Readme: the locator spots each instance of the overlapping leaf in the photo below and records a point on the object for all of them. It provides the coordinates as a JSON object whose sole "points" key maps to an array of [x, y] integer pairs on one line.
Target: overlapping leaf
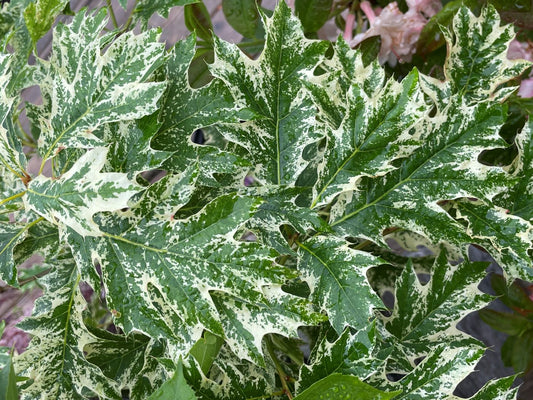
{"points": [[477, 63], [444, 167], [177, 257], [336, 275], [80, 193], [231, 378], [271, 88], [350, 354], [184, 110], [88, 89], [130, 361], [426, 315], [55, 360], [370, 122], [160, 273]]}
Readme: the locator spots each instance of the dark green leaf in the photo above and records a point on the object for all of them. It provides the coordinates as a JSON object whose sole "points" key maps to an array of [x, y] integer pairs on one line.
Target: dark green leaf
{"points": [[206, 349], [242, 15], [511, 324], [8, 379], [313, 13], [197, 19], [175, 388], [337, 387]]}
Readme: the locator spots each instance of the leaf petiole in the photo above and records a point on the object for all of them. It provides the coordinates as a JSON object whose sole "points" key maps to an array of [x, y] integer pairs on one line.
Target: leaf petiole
{"points": [[282, 375], [15, 196]]}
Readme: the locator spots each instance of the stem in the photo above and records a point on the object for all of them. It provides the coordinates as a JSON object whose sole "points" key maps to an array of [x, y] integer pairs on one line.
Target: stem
{"points": [[26, 134], [362, 245], [112, 13], [15, 196], [29, 144], [282, 375], [267, 396], [34, 277]]}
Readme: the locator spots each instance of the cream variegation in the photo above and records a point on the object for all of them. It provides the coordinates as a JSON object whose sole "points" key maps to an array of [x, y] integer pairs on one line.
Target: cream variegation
{"points": [[303, 193], [73, 199]]}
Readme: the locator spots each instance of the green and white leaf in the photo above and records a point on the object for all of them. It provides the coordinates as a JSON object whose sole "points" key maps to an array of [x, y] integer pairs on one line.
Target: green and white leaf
{"points": [[519, 200], [130, 361], [477, 63], [88, 89], [336, 275], [74, 198], [246, 324], [55, 361], [41, 238], [444, 167], [146, 8], [231, 377], [185, 110], [510, 236], [496, 389], [40, 15], [271, 88], [368, 124], [11, 155], [173, 268], [350, 354], [437, 376], [130, 151], [10, 236], [425, 316], [280, 208]]}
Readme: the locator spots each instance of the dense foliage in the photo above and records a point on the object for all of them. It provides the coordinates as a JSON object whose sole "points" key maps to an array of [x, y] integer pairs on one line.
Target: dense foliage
{"points": [[256, 266]]}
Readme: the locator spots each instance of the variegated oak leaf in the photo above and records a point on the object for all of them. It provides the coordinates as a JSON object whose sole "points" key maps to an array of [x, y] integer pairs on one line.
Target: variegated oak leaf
{"points": [[73, 199], [271, 87], [172, 278], [426, 315], [370, 121], [477, 64], [84, 89], [336, 275], [55, 361]]}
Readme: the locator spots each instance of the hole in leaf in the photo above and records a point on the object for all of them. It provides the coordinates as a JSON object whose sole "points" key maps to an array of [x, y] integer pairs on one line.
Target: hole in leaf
{"points": [[198, 137], [394, 377], [419, 360]]}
